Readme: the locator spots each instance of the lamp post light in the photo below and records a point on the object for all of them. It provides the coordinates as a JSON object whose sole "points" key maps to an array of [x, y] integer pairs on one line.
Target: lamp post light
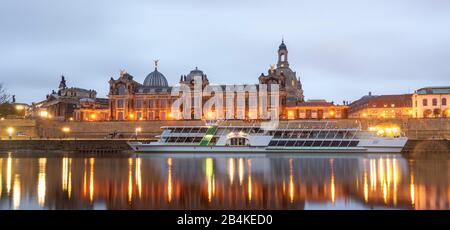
{"points": [[137, 130], [65, 130], [10, 131], [43, 114]]}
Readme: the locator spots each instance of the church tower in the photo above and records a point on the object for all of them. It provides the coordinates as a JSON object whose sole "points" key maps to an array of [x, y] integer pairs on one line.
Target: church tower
{"points": [[282, 55], [290, 86]]}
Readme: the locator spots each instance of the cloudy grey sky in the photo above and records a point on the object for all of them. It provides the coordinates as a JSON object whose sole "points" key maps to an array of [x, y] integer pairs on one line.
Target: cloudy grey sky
{"points": [[340, 49]]}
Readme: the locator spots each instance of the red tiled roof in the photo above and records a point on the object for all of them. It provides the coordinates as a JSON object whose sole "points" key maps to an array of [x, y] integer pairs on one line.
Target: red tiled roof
{"points": [[314, 103]]}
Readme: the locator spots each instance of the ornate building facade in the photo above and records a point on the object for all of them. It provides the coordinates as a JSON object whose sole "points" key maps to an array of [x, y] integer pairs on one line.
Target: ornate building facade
{"points": [[63, 103], [152, 100], [431, 102], [382, 106], [131, 100]]}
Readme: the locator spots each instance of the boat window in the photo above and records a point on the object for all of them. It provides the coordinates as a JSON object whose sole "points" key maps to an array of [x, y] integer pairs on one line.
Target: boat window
{"points": [[340, 135], [335, 143], [331, 135], [322, 134], [308, 143], [281, 143], [278, 134], [237, 141], [273, 143], [344, 143], [299, 143], [317, 143], [326, 143], [290, 143], [353, 143]]}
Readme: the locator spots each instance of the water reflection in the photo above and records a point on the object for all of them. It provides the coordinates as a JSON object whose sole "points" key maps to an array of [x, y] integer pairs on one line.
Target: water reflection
{"points": [[41, 181], [221, 182]]}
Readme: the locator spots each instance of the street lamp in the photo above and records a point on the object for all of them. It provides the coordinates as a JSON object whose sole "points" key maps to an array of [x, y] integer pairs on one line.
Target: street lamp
{"points": [[137, 130], [10, 131], [43, 114], [65, 130]]}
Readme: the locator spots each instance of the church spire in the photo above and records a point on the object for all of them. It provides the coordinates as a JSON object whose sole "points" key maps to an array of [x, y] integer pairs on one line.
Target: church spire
{"points": [[282, 55]]}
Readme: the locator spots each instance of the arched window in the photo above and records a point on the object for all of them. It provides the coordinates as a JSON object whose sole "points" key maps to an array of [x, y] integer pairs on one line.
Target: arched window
{"points": [[434, 102], [283, 57], [425, 102], [121, 90], [444, 101]]}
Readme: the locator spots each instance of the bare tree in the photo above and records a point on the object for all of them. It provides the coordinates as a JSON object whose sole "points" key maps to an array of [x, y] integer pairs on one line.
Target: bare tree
{"points": [[4, 96]]}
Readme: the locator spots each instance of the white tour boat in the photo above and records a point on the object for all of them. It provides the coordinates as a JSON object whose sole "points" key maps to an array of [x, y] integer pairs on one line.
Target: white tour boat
{"points": [[294, 137]]}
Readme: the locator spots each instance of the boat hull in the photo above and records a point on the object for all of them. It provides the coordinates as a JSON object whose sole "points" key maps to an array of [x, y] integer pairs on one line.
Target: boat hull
{"points": [[149, 148]]}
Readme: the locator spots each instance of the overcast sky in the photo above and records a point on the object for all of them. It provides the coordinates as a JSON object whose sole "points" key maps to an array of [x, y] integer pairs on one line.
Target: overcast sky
{"points": [[340, 49]]}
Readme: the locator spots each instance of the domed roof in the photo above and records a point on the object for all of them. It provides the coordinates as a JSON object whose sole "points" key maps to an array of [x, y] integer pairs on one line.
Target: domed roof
{"points": [[282, 45], [155, 79], [195, 72]]}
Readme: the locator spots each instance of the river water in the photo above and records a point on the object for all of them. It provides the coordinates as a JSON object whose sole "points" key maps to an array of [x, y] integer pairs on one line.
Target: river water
{"points": [[315, 181]]}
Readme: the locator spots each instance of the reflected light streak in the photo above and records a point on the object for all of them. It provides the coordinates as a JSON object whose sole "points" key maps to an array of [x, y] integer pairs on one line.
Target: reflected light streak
{"points": [[91, 179], [333, 188], [1, 177], [291, 181], [365, 184], [395, 175], [8, 174], [69, 183], [16, 192], [169, 179], [388, 172], [84, 178], [231, 169], [366, 188], [241, 170], [412, 189], [138, 176], [65, 173], [41, 181], [381, 171], [373, 175], [209, 177], [249, 163], [130, 180]]}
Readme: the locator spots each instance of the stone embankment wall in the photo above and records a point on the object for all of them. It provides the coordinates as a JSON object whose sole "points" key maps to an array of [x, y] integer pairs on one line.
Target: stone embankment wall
{"points": [[89, 146], [421, 129]]}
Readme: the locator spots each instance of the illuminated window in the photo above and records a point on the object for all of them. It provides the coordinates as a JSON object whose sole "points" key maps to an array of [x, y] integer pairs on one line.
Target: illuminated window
{"points": [[163, 116], [121, 90], [120, 104], [151, 103], [151, 115], [163, 103], [120, 116], [139, 103]]}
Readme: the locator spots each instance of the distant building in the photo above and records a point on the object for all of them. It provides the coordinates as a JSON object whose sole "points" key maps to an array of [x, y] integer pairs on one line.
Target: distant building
{"points": [[431, 102], [131, 100], [382, 106], [317, 109], [92, 109], [62, 104], [152, 100]]}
